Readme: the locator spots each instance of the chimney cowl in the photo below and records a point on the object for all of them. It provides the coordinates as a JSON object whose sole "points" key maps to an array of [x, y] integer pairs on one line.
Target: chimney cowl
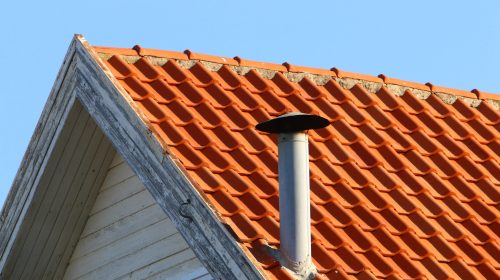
{"points": [[292, 122]]}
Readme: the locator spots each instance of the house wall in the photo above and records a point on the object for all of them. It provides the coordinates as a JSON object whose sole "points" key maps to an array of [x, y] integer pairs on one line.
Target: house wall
{"points": [[128, 236]]}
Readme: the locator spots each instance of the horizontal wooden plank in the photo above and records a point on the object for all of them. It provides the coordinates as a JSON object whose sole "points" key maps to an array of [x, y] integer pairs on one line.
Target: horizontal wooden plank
{"points": [[186, 270], [206, 276], [118, 159], [124, 227], [118, 211], [144, 256], [117, 193], [121, 248], [116, 175], [157, 267]]}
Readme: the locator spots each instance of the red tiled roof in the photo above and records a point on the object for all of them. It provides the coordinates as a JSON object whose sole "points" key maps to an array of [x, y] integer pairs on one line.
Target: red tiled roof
{"points": [[404, 182]]}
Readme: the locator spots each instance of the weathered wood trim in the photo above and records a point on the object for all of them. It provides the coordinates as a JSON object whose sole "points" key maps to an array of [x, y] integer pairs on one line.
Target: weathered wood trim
{"points": [[114, 113], [36, 157], [49, 195]]}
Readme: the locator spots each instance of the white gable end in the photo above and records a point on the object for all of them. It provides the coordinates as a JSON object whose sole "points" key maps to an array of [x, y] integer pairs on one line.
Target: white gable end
{"points": [[128, 236]]}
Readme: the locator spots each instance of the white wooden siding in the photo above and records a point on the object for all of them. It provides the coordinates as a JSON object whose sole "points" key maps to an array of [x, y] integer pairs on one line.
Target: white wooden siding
{"points": [[128, 236]]}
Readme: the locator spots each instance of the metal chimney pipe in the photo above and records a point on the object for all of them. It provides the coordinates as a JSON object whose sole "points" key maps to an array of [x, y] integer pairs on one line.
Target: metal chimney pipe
{"points": [[295, 217], [294, 190]]}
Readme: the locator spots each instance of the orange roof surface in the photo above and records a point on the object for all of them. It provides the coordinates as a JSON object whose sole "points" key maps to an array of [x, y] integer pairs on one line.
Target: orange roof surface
{"points": [[404, 182]]}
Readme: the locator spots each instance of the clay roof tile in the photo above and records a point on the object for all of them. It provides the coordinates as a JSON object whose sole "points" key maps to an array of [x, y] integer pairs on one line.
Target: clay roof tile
{"points": [[402, 186]]}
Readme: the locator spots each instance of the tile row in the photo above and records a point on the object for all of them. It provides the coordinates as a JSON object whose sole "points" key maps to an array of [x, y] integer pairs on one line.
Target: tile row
{"points": [[226, 79], [423, 215], [397, 266], [331, 170], [233, 102], [384, 183], [337, 149], [187, 95], [354, 249], [239, 198], [182, 128]]}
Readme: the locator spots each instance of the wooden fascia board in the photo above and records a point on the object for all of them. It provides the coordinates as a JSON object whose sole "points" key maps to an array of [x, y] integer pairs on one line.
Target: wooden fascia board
{"points": [[113, 110], [37, 155]]}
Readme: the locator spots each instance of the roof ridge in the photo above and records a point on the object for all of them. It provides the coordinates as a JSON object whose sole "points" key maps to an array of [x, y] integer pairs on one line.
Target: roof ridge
{"points": [[285, 67]]}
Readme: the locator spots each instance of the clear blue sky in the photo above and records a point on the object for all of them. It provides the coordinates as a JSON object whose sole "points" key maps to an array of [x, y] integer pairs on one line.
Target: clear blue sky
{"points": [[448, 43]]}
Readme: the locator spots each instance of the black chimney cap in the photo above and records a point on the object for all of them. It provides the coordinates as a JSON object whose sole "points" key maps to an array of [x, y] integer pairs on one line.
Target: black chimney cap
{"points": [[292, 122]]}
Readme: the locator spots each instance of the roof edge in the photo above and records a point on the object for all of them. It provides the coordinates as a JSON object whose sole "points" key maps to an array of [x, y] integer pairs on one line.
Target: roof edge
{"points": [[117, 115]]}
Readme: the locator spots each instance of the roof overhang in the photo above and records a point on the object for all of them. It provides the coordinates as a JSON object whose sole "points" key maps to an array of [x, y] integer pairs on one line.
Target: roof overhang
{"points": [[84, 79]]}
